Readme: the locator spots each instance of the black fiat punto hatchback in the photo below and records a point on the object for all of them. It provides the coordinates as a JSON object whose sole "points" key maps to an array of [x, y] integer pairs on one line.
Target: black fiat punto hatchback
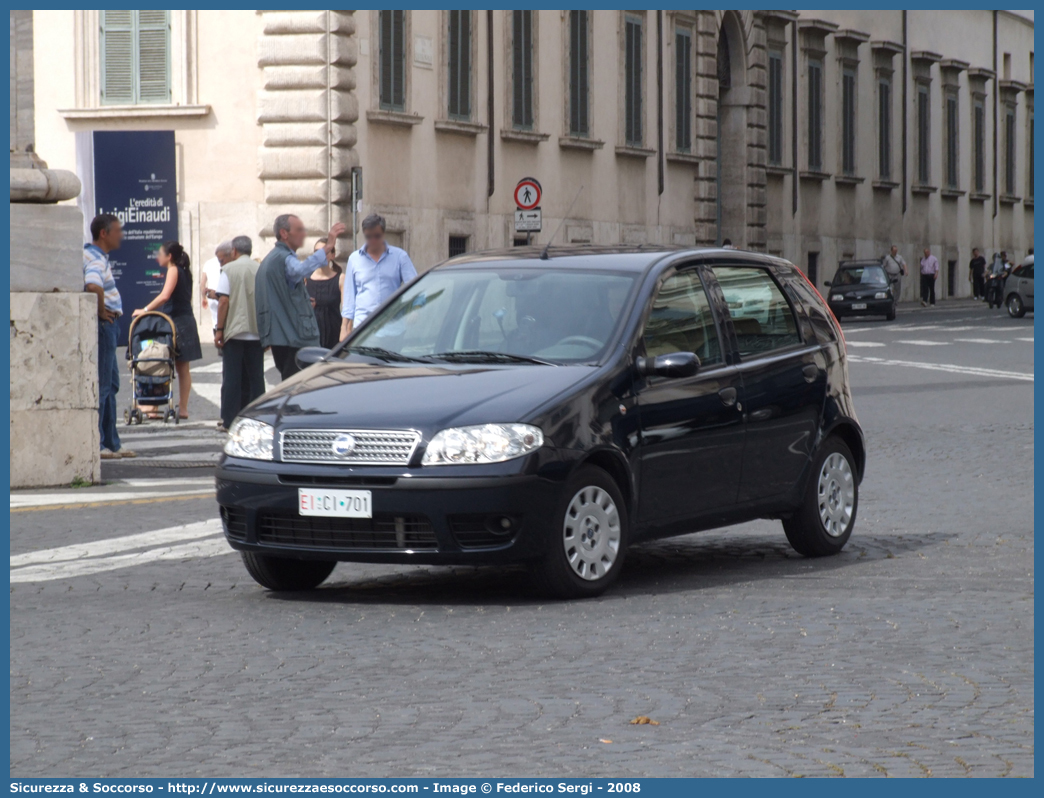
{"points": [[506, 407]]}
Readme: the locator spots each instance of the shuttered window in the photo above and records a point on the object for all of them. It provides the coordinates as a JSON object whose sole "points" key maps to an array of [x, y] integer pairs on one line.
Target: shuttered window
{"points": [[980, 147], [683, 89], [633, 81], [884, 128], [924, 136], [578, 78], [848, 122], [459, 52], [815, 115], [522, 69], [135, 57], [952, 140], [1009, 152], [392, 58], [775, 108]]}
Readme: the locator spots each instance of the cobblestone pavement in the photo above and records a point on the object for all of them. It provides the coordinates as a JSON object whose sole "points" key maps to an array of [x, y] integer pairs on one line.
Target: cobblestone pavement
{"points": [[910, 654]]}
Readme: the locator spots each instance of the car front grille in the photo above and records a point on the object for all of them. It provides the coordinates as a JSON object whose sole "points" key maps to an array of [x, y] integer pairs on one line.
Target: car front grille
{"points": [[380, 533], [235, 523], [372, 447]]}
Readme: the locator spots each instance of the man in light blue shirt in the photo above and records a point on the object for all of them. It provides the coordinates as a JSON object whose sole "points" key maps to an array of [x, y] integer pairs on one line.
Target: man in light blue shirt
{"points": [[374, 273]]}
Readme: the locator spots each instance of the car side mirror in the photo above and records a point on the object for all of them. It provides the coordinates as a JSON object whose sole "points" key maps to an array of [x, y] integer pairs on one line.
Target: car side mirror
{"points": [[826, 283], [675, 365], [308, 355]]}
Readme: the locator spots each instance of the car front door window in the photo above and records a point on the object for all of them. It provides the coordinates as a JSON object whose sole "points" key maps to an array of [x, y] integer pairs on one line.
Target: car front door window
{"points": [[681, 320]]}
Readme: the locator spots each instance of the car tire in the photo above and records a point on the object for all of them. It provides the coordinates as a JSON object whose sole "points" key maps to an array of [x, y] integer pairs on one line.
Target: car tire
{"points": [[285, 573], [891, 314], [588, 538], [1015, 307], [824, 522]]}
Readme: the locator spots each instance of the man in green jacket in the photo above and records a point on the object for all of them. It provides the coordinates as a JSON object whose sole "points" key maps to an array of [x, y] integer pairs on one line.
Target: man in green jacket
{"points": [[285, 319]]}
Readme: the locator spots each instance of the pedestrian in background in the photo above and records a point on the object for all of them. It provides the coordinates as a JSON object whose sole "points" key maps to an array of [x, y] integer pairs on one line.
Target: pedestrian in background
{"points": [[325, 287], [929, 274], [243, 364], [175, 299], [285, 319], [374, 273], [895, 268], [208, 279], [977, 274], [106, 235]]}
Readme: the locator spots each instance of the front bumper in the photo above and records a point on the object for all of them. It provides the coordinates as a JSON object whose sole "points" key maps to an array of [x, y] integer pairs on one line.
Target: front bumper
{"points": [[436, 516], [874, 307]]}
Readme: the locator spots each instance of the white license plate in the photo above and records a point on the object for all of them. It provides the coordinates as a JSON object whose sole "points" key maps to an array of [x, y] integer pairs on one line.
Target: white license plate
{"points": [[858, 306], [335, 503]]}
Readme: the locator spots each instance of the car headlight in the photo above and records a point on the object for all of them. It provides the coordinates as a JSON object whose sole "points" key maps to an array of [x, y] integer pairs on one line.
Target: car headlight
{"points": [[837, 298], [482, 443], [251, 439], [881, 295]]}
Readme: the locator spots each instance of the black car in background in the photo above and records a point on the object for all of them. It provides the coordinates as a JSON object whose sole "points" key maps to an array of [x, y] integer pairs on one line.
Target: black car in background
{"points": [[506, 408], [862, 288]]}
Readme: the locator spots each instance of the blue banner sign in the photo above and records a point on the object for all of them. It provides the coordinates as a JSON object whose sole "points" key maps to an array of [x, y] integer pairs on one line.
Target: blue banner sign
{"points": [[135, 179]]}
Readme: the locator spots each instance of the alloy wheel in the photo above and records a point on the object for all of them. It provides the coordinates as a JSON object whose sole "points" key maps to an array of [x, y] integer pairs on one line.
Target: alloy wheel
{"points": [[836, 491], [591, 533]]}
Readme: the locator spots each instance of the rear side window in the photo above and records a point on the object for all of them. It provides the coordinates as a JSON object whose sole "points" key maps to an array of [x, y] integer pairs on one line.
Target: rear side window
{"points": [[681, 320], [761, 316]]}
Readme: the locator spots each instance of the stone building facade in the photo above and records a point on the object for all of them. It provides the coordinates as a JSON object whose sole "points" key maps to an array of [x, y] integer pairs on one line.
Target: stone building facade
{"points": [[661, 127]]}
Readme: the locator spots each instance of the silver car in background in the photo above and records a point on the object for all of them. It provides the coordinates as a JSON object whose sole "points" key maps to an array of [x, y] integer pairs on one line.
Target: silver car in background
{"points": [[1018, 289]]}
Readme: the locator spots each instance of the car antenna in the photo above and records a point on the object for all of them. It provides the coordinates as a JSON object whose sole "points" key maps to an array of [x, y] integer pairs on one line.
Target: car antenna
{"points": [[543, 255]]}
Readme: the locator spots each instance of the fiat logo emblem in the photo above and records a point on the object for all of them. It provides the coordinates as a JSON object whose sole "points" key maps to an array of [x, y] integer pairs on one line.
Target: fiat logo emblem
{"points": [[343, 445]]}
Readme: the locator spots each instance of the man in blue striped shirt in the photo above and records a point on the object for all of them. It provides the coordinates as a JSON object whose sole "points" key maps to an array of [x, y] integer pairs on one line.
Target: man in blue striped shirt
{"points": [[107, 233], [374, 273]]}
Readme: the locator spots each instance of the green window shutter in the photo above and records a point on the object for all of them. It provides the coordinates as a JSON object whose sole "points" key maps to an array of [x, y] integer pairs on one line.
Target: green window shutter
{"points": [[153, 56], [117, 57], [135, 57]]}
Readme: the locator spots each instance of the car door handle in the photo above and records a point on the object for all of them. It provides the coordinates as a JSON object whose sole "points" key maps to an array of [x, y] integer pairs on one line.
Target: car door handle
{"points": [[728, 396], [811, 372]]}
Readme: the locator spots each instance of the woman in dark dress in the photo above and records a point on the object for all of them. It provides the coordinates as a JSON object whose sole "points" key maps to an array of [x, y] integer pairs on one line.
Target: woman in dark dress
{"points": [[325, 285], [176, 301]]}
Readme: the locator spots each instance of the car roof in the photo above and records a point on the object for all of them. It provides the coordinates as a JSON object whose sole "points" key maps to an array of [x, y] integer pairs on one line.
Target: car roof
{"points": [[624, 258], [858, 264]]}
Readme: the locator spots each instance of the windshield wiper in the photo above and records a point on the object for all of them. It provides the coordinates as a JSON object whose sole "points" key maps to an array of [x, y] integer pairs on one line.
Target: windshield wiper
{"points": [[383, 354], [483, 356]]}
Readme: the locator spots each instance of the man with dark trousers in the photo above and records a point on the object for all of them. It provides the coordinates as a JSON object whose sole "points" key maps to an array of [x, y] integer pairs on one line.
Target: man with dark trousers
{"points": [[285, 318], [243, 362], [977, 274], [929, 274]]}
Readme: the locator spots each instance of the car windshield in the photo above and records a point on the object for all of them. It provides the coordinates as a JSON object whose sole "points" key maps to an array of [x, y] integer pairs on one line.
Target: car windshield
{"points": [[500, 315], [860, 275]]}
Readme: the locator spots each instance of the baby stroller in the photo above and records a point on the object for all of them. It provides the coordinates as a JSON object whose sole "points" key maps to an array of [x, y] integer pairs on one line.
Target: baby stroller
{"points": [[151, 345]]}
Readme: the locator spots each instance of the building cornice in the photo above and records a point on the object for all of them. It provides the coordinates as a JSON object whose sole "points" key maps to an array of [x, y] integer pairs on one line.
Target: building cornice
{"points": [[886, 47], [925, 57], [104, 112], [817, 26], [853, 37], [953, 64]]}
